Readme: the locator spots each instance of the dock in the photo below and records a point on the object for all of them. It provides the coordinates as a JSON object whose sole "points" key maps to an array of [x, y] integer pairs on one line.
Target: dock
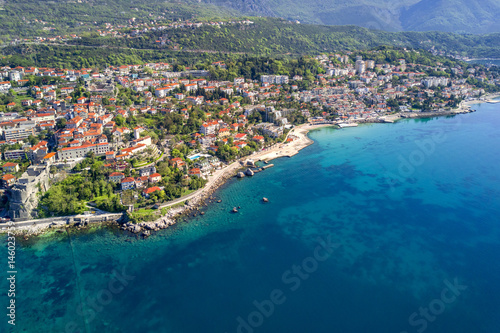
{"points": [[342, 125]]}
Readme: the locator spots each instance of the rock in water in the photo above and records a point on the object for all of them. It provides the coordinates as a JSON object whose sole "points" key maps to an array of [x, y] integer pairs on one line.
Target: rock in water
{"points": [[249, 172], [240, 175]]}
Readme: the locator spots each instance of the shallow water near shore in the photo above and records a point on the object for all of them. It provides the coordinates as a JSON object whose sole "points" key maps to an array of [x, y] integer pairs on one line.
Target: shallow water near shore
{"points": [[410, 210]]}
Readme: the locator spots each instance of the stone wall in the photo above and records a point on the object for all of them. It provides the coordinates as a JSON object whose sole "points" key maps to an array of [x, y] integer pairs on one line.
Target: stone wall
{"points": [[24, 198]]}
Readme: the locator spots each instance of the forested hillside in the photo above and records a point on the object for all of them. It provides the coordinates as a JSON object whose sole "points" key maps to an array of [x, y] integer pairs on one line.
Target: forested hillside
{"points": [[28, 18], [275, 36]]}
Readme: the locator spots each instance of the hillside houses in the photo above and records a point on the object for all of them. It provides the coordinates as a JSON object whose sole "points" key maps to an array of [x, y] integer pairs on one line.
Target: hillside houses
{"points": [[151, 127]]}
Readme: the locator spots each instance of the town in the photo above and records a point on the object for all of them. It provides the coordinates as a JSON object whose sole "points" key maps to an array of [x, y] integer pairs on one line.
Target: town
{"points": [[134, 137]]}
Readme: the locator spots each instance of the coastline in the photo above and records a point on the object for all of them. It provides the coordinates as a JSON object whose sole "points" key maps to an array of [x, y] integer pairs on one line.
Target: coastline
{"points": [[194, 200], [301, 141], [201, 197], [463, 107]]}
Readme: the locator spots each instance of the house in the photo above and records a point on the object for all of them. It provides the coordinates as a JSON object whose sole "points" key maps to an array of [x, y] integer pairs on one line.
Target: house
{"points": [[154, 178], [74, 122], [141, 181], [81, 100], [209, 127], [18, 154], [48, 159], [240, 136], [223, 132], [8, 180], [177, 162], [147, 192], [10, 167], [208, 140], [258, 139], [4, 86], [147, 171], [127, 183], [240, 144], [38, 151], [78, 152], [116, 177], [195, 172], [110, 156]]}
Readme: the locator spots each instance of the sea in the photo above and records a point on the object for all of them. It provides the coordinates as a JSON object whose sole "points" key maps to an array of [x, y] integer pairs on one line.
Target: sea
{"points": [[382, 228]]}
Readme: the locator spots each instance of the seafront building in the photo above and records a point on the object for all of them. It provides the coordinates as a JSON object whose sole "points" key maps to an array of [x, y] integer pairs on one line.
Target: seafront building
{"points": [[52, 127]]}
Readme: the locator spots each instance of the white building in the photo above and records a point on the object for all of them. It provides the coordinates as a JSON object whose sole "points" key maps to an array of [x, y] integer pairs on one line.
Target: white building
{"points": [[435, 81], [360, 66], [274, 79], [4, 86], [71, 153]]}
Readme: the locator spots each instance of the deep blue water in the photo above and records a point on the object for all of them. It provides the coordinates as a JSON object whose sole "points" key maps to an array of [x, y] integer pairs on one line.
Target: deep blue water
{"points": [[408, 209]]}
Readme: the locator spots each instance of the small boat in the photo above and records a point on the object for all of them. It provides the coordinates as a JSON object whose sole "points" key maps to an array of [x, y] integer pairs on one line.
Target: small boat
{"points": [[234, 210], [265, 199]]}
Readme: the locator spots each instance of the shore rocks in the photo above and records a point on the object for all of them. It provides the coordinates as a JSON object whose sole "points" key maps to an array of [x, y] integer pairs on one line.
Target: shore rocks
{"points": [[240, 175], [163, 223], [249, 172]]}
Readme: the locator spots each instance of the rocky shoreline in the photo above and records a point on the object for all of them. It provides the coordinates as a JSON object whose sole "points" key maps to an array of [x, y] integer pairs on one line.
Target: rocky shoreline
{"points": [[192, 207], [174, 215]]}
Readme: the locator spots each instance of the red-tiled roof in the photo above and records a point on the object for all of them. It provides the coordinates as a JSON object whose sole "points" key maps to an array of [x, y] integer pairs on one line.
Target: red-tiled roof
{"points": [[115, 174], [8, 177], [151, 190]]}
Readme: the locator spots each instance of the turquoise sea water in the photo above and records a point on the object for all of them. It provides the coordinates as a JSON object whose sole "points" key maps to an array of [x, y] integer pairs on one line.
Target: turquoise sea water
{"points": [[410, 212]]}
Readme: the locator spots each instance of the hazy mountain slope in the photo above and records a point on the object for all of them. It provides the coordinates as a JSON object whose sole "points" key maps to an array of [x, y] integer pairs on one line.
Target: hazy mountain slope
{"points": [[453, 15], [472, 16]]}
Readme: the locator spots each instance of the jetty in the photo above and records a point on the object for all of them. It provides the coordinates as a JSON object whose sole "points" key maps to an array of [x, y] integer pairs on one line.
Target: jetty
{"points": [[343, 125]]}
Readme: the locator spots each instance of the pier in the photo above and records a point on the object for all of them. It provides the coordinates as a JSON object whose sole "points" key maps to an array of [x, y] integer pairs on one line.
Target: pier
{"points": [[267, 166]]}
